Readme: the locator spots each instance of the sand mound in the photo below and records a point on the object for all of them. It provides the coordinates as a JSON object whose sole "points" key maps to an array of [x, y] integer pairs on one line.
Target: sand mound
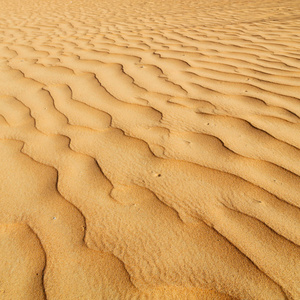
{"points": [[149, 149]]}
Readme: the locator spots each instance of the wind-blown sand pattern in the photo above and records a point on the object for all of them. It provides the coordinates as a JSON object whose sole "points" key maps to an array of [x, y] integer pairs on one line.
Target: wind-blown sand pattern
{"points": [[149, 149]]}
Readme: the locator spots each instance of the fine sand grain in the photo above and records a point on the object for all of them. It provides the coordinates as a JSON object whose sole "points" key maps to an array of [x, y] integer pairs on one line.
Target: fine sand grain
{"points": [[149, 149]]}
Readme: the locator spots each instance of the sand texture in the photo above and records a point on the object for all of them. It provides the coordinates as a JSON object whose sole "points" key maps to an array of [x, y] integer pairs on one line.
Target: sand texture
{"points": [[149, 149]]}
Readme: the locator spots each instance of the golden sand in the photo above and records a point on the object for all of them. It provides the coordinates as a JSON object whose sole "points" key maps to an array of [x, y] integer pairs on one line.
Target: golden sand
{"points": [[149, 149]]}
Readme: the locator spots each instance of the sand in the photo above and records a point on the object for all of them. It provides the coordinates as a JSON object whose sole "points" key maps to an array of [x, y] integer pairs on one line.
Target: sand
{"points": [[149, 149]]}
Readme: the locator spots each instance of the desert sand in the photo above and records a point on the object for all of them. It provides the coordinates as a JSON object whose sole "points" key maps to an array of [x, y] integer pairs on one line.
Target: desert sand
{"points": [[149, 149]]}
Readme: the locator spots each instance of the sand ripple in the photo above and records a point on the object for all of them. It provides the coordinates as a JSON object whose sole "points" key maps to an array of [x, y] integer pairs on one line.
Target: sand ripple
{"points": [[149, 150]]}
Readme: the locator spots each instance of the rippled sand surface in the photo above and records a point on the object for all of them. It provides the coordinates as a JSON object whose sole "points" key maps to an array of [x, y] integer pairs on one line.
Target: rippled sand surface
{"points": [[149, 149]]}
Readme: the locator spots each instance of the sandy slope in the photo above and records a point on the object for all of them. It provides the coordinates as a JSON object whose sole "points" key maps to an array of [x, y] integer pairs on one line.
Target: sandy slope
{"points": [[149, 149]]}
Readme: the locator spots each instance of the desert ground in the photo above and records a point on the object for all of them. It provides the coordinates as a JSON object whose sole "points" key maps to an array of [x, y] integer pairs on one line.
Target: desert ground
{"points": [[149, 149]]}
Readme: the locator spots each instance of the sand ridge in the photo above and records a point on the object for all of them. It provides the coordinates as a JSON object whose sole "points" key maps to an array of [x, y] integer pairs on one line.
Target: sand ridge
{"points": [[149, 150]]}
